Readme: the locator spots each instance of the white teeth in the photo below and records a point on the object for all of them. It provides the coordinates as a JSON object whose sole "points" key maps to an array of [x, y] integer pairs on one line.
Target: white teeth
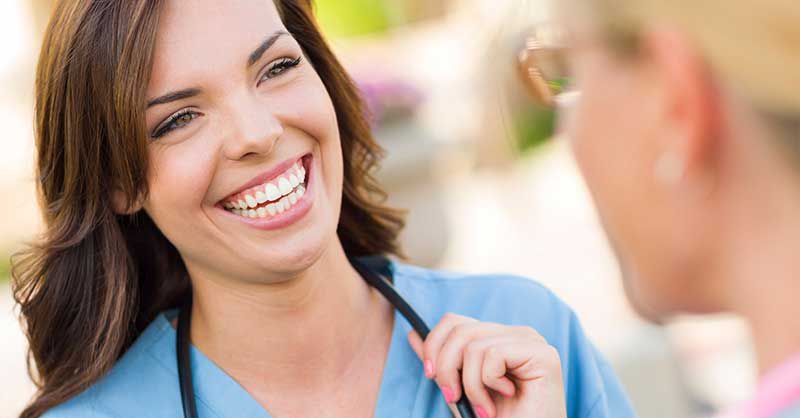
{"points": [[273, 193], [289, 190], [284, 186]]}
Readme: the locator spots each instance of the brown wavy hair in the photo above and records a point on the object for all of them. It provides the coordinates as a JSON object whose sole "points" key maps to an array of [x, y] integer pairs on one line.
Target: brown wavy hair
{"points": [[94, 280]]}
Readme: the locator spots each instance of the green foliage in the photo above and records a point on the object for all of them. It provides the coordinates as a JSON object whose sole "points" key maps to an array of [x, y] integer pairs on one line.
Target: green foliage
{"points": [[343, 18], [5, 267], [533, 127]]}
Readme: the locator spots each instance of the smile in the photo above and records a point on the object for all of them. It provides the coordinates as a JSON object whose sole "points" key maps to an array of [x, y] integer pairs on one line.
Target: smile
{"points": [[271, 198]]}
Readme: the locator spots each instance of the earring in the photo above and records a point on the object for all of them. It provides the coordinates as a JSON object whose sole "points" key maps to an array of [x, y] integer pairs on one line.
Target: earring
{"points": [[669, 168]]}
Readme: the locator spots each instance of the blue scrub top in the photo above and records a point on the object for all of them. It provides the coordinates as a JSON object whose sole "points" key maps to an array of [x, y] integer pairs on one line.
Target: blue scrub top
{"points": [[144, 382]]}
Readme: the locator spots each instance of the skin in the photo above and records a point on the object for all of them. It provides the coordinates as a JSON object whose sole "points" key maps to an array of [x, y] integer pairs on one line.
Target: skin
{"points": [[720, 231], [253, 287], [507, 372]]}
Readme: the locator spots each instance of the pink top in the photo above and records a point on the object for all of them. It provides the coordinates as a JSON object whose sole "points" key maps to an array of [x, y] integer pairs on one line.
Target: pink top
{"points": [[778, 390]]}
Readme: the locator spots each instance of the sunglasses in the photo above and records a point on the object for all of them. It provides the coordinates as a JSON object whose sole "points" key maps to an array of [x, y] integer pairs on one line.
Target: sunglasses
{"points": [[543, 69]]}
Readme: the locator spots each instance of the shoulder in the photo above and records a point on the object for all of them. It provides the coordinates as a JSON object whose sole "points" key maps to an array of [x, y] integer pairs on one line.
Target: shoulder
{"points": [[490, 297], [140, 383], [499, 298], [592, 389]]}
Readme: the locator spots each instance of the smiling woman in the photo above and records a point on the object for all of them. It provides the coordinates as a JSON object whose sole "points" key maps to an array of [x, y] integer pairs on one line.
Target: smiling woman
{"points": [[214, 157], [115, 255]]}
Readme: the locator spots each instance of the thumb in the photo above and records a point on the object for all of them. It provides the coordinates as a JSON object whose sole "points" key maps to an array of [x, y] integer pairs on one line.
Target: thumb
{"points": [[416, 344]]}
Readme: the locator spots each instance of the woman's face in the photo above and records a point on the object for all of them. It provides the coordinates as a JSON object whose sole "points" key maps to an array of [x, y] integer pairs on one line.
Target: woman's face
{"points": [[245, 170], [619, 130]]}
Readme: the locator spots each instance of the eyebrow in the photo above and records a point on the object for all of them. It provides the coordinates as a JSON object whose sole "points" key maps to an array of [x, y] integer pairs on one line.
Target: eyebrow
{"points": [[258, 52], [173, 96], [191, 92]]}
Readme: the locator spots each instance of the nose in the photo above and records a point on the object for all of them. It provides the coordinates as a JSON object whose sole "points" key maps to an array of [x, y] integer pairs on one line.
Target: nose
{"points": [[252, 130]]}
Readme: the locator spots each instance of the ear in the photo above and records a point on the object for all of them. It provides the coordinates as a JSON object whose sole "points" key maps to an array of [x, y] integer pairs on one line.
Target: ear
{"points": [[122, 206], [692, 103]]}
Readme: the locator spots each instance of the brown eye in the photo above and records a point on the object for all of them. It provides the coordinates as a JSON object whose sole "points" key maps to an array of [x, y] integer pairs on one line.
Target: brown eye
{"points": [[278, 67], [183, 120], [176, 121]]}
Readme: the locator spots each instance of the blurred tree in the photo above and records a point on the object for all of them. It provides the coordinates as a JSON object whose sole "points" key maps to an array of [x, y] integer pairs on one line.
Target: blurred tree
{"points": [[533, 126], [344, 18]]}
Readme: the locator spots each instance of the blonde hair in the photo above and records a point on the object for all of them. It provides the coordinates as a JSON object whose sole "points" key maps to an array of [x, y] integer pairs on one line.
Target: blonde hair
{"points": [[754, 47]]}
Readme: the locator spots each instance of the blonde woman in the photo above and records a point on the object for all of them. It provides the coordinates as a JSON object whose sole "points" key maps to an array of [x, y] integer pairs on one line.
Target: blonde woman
{"points": [[687, 129]]}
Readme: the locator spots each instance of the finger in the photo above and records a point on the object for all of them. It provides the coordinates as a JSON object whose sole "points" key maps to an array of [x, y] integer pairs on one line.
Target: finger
{"points": [[526, 361], [416, 344], [474, 388], [436, 339], [493, 373], [533, 368], [450, 359]]}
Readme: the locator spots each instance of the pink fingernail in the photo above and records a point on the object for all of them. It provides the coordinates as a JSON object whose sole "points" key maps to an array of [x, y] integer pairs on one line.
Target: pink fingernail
{"points": [[449, 396], [481, 412], [428, 369]]}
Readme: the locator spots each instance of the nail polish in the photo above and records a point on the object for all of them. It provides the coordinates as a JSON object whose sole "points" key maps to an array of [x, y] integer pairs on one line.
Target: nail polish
{"points": [[428, 369], [449, 396], [481, 412]]}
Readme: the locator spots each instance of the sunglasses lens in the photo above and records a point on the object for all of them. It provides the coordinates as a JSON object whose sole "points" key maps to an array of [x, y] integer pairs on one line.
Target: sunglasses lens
{"points": [[543, 67]]}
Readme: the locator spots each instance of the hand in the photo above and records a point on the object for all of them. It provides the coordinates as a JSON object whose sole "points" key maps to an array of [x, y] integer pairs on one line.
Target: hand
{"points": [[507, 371]]}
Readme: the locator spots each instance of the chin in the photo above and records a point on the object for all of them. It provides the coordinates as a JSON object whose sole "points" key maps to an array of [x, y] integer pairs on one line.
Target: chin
{"points": [[295, 257], [645, 301]]}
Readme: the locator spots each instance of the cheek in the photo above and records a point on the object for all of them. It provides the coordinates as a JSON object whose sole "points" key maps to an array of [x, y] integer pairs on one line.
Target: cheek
{"points": [[312, 110], [610, 137], [179, 178], [316, 116], [599, 138]]}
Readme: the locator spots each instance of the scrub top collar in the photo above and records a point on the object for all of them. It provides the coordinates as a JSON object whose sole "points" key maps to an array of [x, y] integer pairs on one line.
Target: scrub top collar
{"points": [[219, 393]]}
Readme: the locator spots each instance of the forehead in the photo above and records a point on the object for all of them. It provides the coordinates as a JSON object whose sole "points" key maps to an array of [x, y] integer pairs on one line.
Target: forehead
{"points": [[200, 35]]}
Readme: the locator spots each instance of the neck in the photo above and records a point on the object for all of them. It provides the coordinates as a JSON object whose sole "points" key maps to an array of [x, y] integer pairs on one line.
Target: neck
{"points": [[767, 297], [761, 277], [300, 332]]}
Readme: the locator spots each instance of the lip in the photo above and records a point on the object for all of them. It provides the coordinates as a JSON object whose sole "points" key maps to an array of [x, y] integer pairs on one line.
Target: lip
{"points": [[266, 176], [291, 216]]}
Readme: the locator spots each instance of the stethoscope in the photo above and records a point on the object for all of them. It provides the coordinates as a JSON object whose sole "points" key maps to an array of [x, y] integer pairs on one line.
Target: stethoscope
{"points": [[375, 279]]}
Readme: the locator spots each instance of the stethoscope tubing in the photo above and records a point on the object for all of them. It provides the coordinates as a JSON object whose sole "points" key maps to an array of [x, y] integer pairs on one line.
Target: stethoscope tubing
{"points": [[399, 303], [375, 280]]}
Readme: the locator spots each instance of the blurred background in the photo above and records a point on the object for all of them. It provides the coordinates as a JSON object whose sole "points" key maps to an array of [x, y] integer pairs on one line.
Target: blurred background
{"points": [[488, 187]]}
